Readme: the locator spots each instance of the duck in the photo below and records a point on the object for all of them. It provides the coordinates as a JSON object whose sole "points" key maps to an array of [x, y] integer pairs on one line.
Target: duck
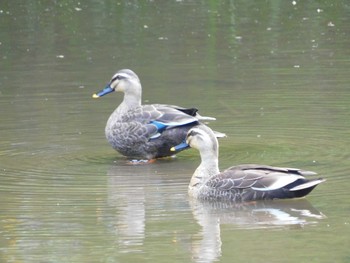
{"points": [[241, 183], [145, 132]]}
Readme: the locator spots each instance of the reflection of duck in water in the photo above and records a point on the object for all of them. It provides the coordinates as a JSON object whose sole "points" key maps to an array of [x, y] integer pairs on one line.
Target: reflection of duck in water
{"points": [[264, 214], [145, 131], [210, 215], [242, 183], [126, 213]]}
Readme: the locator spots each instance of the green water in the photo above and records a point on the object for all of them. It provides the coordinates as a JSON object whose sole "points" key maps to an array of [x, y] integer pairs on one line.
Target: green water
{"points": [[275, 74]]}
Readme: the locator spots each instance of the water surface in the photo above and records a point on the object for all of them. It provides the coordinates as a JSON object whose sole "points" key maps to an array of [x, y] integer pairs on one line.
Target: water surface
{"points": [[275, 74]]}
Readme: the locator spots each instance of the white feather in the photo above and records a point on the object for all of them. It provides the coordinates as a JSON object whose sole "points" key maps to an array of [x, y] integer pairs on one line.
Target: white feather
{"points": [[280, 182]]}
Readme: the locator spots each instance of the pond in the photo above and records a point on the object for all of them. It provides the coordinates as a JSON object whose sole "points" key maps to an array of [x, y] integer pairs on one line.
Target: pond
{"points": [[274, 73]]}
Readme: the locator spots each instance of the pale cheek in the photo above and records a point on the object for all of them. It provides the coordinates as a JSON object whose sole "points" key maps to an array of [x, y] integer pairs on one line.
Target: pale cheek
{"points": [[119, 88]]}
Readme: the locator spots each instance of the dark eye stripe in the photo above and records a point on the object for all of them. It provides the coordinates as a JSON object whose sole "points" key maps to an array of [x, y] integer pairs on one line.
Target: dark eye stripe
{"points": [[117, 77], [192, 133]]}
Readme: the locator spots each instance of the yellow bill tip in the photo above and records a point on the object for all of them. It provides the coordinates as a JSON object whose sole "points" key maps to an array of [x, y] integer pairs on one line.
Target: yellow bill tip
{"points": [[95, 96], [172, 149]]}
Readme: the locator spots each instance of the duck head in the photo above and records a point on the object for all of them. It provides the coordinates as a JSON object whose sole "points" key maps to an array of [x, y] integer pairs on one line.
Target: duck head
{"points": [[202, 138], [124, 80]]}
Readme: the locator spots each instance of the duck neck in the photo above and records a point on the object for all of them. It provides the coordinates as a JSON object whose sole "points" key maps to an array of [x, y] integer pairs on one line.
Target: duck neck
{"points": [[132, 100], [209, 167]]}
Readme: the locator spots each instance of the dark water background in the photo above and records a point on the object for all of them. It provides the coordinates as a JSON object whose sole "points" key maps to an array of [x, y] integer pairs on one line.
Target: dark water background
{"points": [[275, 74]]}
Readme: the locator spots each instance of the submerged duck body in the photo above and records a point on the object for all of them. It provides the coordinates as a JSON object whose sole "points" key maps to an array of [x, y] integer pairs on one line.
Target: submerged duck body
{"points": [[242, 183], [145, 131]]}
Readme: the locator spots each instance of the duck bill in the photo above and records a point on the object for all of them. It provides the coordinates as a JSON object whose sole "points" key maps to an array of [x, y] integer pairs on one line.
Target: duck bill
{"points": [[103, 92], [180, 147]]}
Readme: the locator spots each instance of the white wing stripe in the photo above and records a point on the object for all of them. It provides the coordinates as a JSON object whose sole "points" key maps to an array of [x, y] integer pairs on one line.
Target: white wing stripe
{"points": [[280, 182]]}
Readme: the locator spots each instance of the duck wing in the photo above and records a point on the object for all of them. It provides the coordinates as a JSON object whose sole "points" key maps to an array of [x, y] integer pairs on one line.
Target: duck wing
{"points": [[264, 182], [171, 116], [163, 117], [189, 111], [149, 121]]}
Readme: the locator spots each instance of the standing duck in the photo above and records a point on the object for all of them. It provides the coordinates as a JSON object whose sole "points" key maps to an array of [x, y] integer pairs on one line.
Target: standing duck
{"points": [[242, 183], [145, 132]]}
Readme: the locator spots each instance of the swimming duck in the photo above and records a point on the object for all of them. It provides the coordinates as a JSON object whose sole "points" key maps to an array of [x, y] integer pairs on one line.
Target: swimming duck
{"points": [[242, 183], [145, 131]]}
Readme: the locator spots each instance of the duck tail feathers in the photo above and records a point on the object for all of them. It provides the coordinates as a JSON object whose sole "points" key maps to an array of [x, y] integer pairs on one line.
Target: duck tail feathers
{"points": [[204, 118], [219, 134], [309, 184]]}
